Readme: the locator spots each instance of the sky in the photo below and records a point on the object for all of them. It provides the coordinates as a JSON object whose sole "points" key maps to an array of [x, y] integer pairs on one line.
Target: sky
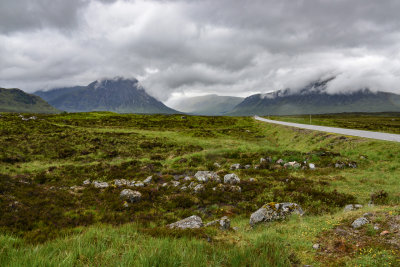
{"points": [[181, 48]]}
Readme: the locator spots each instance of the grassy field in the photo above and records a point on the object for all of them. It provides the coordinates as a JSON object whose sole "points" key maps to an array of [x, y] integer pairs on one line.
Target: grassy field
{"points": [[379, 122], [49, 219]]}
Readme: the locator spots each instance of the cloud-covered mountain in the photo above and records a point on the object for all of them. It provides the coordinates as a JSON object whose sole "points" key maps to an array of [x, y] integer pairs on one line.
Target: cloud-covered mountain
{"points": [[16, 100], [117, 95], [314, 99], [208, 104]]}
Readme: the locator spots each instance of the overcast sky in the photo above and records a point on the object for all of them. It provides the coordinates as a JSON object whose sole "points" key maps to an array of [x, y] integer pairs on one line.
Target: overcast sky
{"points": [[183, 48]]}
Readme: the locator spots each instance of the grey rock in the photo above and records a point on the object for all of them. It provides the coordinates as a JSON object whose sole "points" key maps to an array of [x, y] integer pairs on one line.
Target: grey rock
{"points": [[148, 180], [235, 188], [212, 223], [191, 222], [164, 185], [225, 223], [248, 166], [86, 182], [175, 183], [359, 222], [120, 183], [187, 179], [139, 184], [100, 184], [236, 166], [292, 164], [198, 188], [262, 160], [316, 246], [192, 185], [184, 188], [205, 176], [351, 207], [311, 166], [130, 195], [352, 165], [217, 165], [274, 211], [252, 180], [279, 161], [231, 179]]}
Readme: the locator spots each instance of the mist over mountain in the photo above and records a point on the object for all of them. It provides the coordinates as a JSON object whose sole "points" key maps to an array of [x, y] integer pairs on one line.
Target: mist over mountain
{"points": [[314, 99], [207, 104], [118, 95], [16, 100]]}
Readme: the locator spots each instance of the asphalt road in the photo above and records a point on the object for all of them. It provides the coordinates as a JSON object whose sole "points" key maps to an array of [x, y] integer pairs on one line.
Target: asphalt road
{"points": [[359, 133]]}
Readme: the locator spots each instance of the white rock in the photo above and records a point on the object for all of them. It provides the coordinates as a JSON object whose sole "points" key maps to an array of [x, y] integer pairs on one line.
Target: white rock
{"points": [[311, 166], [205, 176], [231, 179], [100, 184], [86, 182]]}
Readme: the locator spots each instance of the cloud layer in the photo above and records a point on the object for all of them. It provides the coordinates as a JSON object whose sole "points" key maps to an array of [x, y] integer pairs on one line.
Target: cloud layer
{"points": [[180, 48]]}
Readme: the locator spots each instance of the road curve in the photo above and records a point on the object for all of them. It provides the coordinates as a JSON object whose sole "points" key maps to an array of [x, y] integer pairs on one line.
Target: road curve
{"points": [[359, 133]]}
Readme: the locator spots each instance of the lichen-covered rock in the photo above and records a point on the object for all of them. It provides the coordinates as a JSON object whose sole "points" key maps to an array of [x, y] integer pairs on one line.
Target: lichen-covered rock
{"points": [[274, 211], [205, 176], [148, 180], [236, 166], [231, 179], [191, 222], [130, 195], [359, 222], [100, 185]]}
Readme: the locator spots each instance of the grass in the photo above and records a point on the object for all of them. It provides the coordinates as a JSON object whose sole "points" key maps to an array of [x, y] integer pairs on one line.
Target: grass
{"points": [[46, 222]]}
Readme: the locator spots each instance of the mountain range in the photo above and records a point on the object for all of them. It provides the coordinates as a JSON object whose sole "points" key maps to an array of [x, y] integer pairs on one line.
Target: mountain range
{"points": [[16, 100], [208, 104], [313, 99], [118, 95]]}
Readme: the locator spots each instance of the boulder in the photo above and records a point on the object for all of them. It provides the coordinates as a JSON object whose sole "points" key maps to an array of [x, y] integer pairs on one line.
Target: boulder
{"points": [[236, 166], [205, 176], [191, 222], [130, 195], [100, 184], [274, 211], [231, 179], [359, 222]]}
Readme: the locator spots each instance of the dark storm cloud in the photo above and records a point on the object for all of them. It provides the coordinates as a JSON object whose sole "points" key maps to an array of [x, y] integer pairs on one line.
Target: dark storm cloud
{"points": [[179, 48]]}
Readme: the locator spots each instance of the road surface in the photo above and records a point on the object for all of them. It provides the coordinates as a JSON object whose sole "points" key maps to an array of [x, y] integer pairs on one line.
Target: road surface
{"points": [[359, 133]]}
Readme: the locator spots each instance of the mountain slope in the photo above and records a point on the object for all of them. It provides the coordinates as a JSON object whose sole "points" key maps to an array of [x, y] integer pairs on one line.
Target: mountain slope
{"points": [[117, 95], [16, 100], [208, 104], [313, 99]]}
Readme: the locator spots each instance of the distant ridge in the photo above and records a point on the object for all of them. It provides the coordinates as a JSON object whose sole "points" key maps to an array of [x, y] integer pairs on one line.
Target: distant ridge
{"points": [[118, 95], [313, 99], [16, 100]]}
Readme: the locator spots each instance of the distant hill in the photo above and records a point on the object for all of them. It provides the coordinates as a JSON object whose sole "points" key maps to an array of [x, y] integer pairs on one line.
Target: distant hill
{"points": [[208, 104], [313, 99], [117, 95], [16, 100]]}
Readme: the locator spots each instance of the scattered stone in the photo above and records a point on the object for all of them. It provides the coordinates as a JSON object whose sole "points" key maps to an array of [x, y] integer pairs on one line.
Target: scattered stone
{"points": [[248, 166], [175, 183], [236, 166], [120, 183], [205, 176], [339, 165], [274, 211], [86, 182], [100, 184], [148, 180], [311, 166], [225, 223], [217, 165], [192, 185], [351, 207], [359, 222], [164, 184], [292, 164], [252, 180], [316, 246], [262, 160], [198, 188], [139, 184], [130, 195], [352, 165], [368, 214], [384, 233], [231, 179], [191, 222], [279, 161], [212, 223], [235, 188], [376, 227], [187, 179]]}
